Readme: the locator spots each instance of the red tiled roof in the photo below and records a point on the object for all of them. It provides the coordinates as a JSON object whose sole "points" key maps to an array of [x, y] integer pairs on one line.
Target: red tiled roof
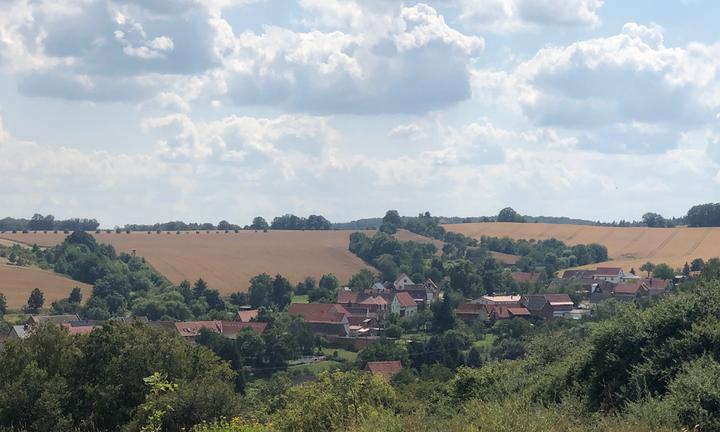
{"points": [[505, 312], [192, 328], [559, 299], [405, 300], [608, 271], [347, 297], [518, 311], [628, 288], [655, 283], [469, 308], [234, 327], [377, 300], [79, 330], [246, 315], [385, 369], [318, 312]]}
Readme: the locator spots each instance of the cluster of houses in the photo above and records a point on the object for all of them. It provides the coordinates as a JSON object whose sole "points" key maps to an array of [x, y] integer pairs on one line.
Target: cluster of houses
{"points": [[612, 282], [356, 314], [188, 330], [489, 309]]}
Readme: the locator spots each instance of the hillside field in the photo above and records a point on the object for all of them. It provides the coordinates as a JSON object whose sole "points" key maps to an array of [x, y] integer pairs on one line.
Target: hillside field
{"points": [[628, 247], [17, 283], [227, 261]]}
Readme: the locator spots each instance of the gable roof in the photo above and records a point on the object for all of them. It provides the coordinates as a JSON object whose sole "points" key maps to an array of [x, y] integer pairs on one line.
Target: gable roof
{"points": [[502, 299], [529, 277], [21, 331], [505, 312], [246, 315], [347, 297], [232, 328], [470, 308], [402, 276], [559, 299], [629, 288], [318, 312], [192, 328], [53, 319], [608, 271], [405, 299], [578, 274], [655, 283], [385, 369]]}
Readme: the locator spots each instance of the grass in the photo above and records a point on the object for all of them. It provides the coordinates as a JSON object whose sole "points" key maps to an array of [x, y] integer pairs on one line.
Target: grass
{"points": [[343, 355], [416, 336], [486, 342], [300, 299], [317, 367]]}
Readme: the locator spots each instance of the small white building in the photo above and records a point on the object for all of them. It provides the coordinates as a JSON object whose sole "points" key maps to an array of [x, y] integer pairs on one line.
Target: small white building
{"points": [[609, 274]]}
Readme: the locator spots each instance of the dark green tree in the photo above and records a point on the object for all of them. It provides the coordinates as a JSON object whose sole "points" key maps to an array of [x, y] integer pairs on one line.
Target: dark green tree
{"points": [[35, 301], [443, 315], [259, 223], [281, 291], [663, 271], [260, 292], [508, 214], [75, 296], [3, 305], [199, 288], [361, 280]]}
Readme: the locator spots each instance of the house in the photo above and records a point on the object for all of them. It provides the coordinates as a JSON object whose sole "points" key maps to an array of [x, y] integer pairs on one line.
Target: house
{"points": [[629, 291], [52, 319], [325, 319], [423, 293], [472, 312], [525, 277], [655, 286], [609, 274], [578, 274], [406, 303], [548, 306], [384, 369], [189, 330], [19, 332], [504, 300], [401, 281], [501, 312], [246, 315]]}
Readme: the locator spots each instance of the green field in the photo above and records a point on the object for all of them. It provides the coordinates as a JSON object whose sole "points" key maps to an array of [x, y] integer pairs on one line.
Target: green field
{"points": [[300, 299]]}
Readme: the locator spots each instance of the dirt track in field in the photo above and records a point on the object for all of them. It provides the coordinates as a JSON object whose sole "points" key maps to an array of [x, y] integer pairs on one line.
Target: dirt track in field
{"points": [[628, 247]]}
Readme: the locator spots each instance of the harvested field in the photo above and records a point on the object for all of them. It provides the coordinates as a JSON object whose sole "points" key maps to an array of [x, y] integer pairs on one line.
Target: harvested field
{"points": [[227, 261], [628, 247], [405, 235], [17, 283]]}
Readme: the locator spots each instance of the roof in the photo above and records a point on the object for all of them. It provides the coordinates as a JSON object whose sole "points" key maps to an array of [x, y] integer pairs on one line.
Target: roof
{"points": [[246, 315], [608, 271], [655, 283], [502, 299], [235, 327], [535, 302], [54, 319], [319, 312], [377, 300], [505, 312], [403, 276], [578, 274], [21, 331], [347, 297], [385, 369], [192, 328], [405, 300], [559, 299], [528, 277], [79, 330], [629, 288]]}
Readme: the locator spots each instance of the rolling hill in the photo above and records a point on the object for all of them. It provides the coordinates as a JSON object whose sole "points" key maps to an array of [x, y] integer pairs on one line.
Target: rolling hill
{"points": [[227, 261], [628, 247], [17, 283]]}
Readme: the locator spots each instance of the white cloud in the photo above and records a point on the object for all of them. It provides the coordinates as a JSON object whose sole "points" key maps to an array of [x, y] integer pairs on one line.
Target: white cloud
{"points": [[514, 15]]}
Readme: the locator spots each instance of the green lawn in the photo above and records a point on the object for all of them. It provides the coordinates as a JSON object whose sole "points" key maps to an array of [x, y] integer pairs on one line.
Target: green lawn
{"points": [[317, 367], [343, 355], [486, 342], [299, 299]]}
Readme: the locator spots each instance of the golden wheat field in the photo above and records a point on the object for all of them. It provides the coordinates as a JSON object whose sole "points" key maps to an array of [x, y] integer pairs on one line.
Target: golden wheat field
{"points": [[628, 247], [17, 283], [227, 261]]}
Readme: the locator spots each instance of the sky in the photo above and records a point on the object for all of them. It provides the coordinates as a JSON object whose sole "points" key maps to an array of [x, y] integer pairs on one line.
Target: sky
{"points": [[139, 111]]}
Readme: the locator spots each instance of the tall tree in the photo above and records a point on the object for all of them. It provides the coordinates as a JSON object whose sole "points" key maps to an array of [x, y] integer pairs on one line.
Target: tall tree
{"points": [[281, 291], [260, 292], [75, 296], [199, 288], [35, 301], [647, 267], [3, 304], [361, 280], [259, 223], [443, 315], [508, 214]]}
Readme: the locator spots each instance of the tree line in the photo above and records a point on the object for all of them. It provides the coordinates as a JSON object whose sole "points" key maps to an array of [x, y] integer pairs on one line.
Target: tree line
{"points": [[39, 222]]}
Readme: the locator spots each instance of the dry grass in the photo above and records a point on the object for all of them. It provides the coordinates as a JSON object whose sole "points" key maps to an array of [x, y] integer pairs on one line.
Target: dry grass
{"points": [[627, 247], [17, 283], [227, 261]]}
